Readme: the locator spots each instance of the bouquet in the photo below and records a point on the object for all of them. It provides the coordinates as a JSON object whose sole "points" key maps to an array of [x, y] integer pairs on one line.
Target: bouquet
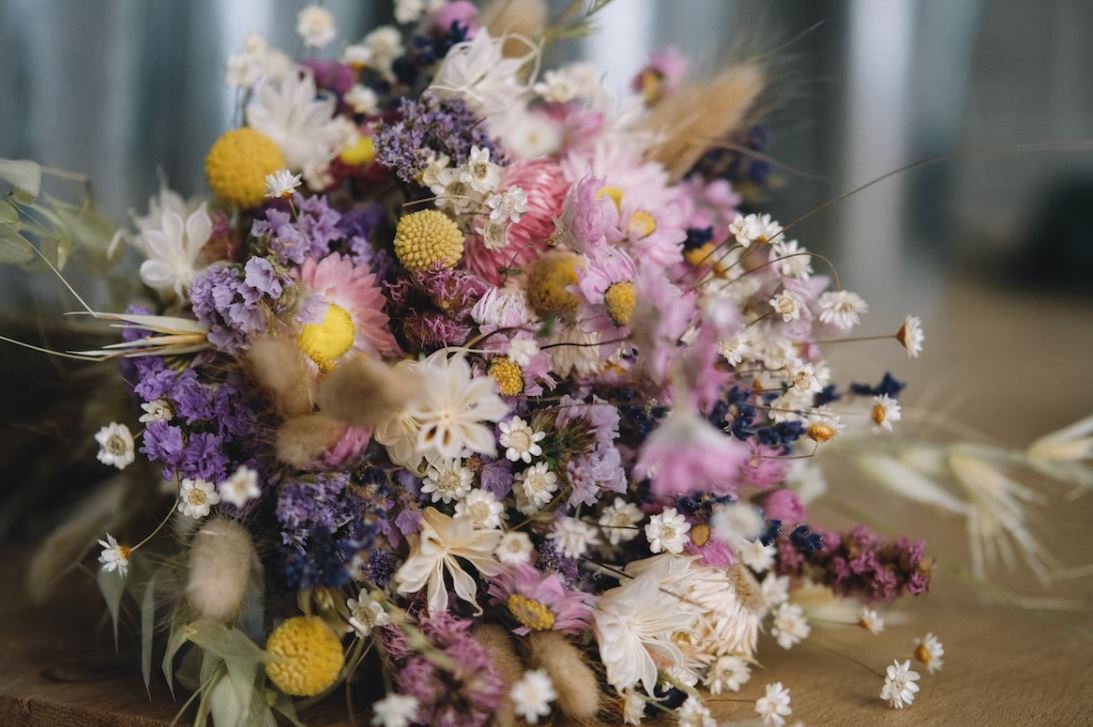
{"points": [[494, 397]]}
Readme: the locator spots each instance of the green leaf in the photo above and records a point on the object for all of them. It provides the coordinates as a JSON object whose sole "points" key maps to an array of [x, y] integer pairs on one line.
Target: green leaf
{"points": [[86, 224], [112, 585], [147, 630], [225, 642], [9, 213], [175, 641], [287, 709], [14, 248], [24, 175]]}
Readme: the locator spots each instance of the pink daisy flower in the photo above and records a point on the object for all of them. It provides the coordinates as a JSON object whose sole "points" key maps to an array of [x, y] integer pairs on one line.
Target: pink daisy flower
{"points": [[686, 454], [349, 447], [606, 287], [589, 216], [540, 602]]}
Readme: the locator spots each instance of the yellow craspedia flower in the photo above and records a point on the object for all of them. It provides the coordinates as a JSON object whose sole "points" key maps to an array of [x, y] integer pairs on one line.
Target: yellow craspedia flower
{"points": [[361, 152], [620, 299], [508, 375], [547, 283], [428, 237], [326, 341], [307, 656], [238, 163]]}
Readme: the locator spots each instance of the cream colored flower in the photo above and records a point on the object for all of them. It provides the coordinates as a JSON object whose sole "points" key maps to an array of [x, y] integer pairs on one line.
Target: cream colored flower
{"points": [[292, 113], [173, 251], [115, 445]]}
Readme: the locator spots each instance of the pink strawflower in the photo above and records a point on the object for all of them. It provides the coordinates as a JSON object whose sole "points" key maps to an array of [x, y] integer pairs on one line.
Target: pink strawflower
{"points": [[539, 601], [349, 447], [764, 466], [782, 504], [714, 552], [589, 216], [662, 314], [546, 187], [334, 280], [686, 454]]}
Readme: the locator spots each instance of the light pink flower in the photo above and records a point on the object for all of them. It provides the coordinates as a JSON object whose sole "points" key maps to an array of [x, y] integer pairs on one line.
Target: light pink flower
{"points": [[335, 280], [570, 610], [605, 267], [686, 454], [588, 216]]}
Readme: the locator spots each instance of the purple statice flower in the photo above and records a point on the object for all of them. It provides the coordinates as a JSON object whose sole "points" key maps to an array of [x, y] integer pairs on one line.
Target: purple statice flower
{"points": [[358, 228], [551, 560], [260, 275], [429, 126], [308, 236], [540, 601], [162, 442], [408, 521], [204, 458], [595, 472], [495, 475], [234, 301], [319, 501], [600, 416]]}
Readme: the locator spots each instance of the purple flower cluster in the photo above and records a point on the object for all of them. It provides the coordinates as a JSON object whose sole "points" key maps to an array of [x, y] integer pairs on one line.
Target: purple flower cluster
{"points": [[309, 235], [432, 308], [429, 126], [466, 695], [860, 564], [234, 301], [598, 468]]}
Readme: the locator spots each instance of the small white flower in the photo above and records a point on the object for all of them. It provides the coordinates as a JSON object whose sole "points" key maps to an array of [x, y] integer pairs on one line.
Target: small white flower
{"points": [[115, 445], [728, 672], [736, 522], [870, 620], [789, 626], [535, 487], [315, 25], [793, 261], [841, 308], [243, 70], [803, 377], [667, 531], [241, 487], [522, 350], [479, 173], [520, 440], [929, 651], [196, 497], [394, 710], [557, 86], [885, 411], [532, 694], [910, 335], [408, 11], [775, 590], [773, 707], [362, 99], [356, 55], [114, 557], [482, 508], [735, 349], [515, 548], [156, 411], [787, 305], [573, 537], [384, 45], [509, 205], [447, 480], [281, 184], [755, 555], [899, 685], [452, 193], [694, 713], [745, 228], [619, 521], [633, 706], [366, 613], [173, 251]]}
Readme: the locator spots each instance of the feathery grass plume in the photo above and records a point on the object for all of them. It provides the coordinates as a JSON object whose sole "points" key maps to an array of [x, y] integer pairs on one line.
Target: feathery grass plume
{"points": [[498, 645], [302, 439], [221, 559], [698, 115], [526, 18], [65, 546], [576, 683], [279, 365], [365, 392]]}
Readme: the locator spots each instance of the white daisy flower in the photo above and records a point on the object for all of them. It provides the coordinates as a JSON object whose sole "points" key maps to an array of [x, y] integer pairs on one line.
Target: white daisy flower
{"points": [[408, 11], [745, 228], [281, 184], [573, 537], [520, 440], [114, 557], [482, 508], [509, 205], [841, 308], [870, 620], [115, 445], [910, 335], [395, 710], [789, 626], [793, 260], [362, 99], [885, 411], [736, 522], [447, 480], [299, 119], [535, 487], [532, 694], [694, 713], [196, 498], [452, 193], [929, 651], [384, 45], [899, 685], [514, 548], [156, 411], [315, 25], [728, 672], [522, 350], [667, 531], [365, 614], [241, 487], [479, 173], [619, 521], [775, 590], [787, 305], [243, 70], [773, 707], [755, 555], [735, 349], [804, 378]]}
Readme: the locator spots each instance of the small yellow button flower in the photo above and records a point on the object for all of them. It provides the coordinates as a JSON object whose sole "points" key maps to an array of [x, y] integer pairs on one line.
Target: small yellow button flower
{"points": [[238, 163], [307, 656]]}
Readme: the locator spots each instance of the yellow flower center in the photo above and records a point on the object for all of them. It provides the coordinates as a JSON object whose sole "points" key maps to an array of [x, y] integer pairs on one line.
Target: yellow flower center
{"points": [[922, 653], [426, 238], [620, 299], [700, 534], [508, 375], [642, 224], [820, 432], [326, 341], [197, 496], [547, 283], [360, 152], [878, 414], [612, 193], [533, 614], [307, 656], [237, 165]]}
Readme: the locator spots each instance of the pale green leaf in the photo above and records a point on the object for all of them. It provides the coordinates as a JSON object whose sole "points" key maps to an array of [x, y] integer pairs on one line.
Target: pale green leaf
{"points": [[287, 709], [87, 225], [9, 215], [14, 248], [112, 585], [225, 642], [24, 175], [147, 630], [175, 641]]}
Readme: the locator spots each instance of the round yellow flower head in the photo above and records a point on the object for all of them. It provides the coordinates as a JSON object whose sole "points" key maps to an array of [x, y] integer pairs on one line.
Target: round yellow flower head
{"points": [[325, 342], [620, 299], [238, 163], [361, 152], [425, 238], [307, 656], [532, 614], [547, 283], [508, 375]]}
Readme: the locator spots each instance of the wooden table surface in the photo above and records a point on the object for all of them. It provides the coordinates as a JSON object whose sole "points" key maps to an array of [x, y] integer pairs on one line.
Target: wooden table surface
{"points": [[1003, 665]]}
